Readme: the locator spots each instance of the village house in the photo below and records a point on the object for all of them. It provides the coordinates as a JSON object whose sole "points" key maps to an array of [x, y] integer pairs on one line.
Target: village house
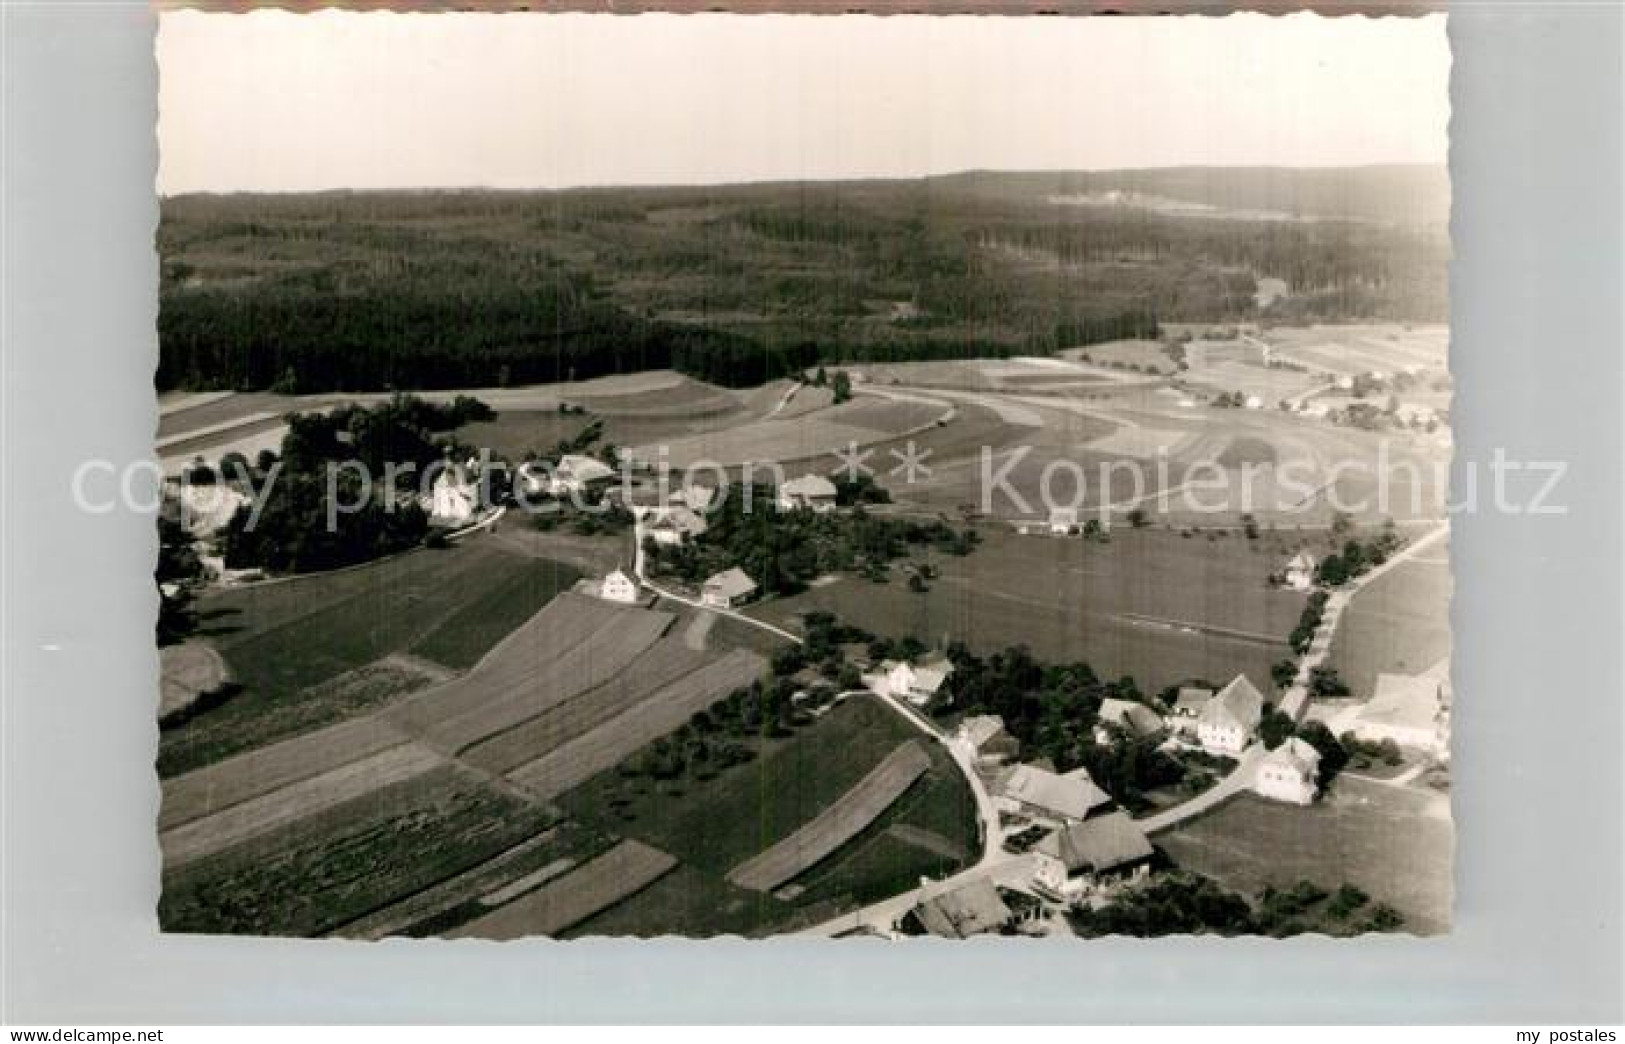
{"points": [[1299, 574], [1037, 793], [986, 736], [1063, 521], [971, 909], [1092, 855], [673, 526], [618, 587], [809, 492], [577, 473], [1128, 716], [916, 683], [1413, 710], [727, 589], [1227, 721], [1290, 772]]}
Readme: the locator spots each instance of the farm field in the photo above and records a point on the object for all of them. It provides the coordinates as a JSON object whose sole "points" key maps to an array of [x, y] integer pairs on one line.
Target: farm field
{"points": [[713, 825], [573, 645], [311, 876], [514, 433], [1353, 348], [624, 870], [258, 772], [316, 650], [1393, 842], [1150, 604], [602, 746], [573, 690], [837, 824], [1399, 624], [815, 434]]}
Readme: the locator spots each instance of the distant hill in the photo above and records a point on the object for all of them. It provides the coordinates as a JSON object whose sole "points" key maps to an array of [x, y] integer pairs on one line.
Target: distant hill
{"points": [[741, 283]]}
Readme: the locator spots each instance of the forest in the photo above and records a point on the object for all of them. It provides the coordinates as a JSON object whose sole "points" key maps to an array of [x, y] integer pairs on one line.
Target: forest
{"points": [[741, 284]]}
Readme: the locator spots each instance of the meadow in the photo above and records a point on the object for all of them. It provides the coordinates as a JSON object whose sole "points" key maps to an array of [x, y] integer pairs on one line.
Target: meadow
{"points": [[1150, 604]]}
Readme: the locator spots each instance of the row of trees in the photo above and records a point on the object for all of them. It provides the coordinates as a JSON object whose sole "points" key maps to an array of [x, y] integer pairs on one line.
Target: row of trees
{"points": [[1184, 903]]}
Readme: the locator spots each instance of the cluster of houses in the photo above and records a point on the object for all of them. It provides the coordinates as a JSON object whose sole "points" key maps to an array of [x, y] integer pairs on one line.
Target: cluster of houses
{"points": [[454, 498]]}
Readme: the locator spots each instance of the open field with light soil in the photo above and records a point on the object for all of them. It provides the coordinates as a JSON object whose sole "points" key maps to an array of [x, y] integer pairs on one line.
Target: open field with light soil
{"points": [[1395, 843], [837, 824]]}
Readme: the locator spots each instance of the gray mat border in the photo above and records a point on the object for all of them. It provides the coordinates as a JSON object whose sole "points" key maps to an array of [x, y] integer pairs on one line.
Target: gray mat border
{"points": [[1536, 157]]}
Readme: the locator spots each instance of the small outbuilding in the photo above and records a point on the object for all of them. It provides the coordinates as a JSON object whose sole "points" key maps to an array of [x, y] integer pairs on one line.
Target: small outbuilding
{"points": [[1127, 716]]}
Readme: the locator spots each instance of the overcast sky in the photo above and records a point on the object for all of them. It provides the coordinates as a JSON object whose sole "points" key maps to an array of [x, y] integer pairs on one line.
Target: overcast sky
{"points": [[286, 102]]}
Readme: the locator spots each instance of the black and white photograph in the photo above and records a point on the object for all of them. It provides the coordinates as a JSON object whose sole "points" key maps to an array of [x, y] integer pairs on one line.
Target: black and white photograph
{"points": [[846, 477]]}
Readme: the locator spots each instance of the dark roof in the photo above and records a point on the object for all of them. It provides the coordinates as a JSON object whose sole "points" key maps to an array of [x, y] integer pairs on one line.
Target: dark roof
{"points": [[971, 909]]}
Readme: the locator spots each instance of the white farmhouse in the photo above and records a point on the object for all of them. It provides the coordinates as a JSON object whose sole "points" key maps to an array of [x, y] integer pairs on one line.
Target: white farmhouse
{"points": [[1062, 521], [1299, 574], [619, 587], [1290, 772], [1092, 855], [727, 589], [452, 498], [1227, 721], [812, 492]]}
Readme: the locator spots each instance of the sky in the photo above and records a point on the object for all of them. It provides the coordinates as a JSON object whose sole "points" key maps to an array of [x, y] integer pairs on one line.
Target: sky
{"points": [[283, 102]]}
